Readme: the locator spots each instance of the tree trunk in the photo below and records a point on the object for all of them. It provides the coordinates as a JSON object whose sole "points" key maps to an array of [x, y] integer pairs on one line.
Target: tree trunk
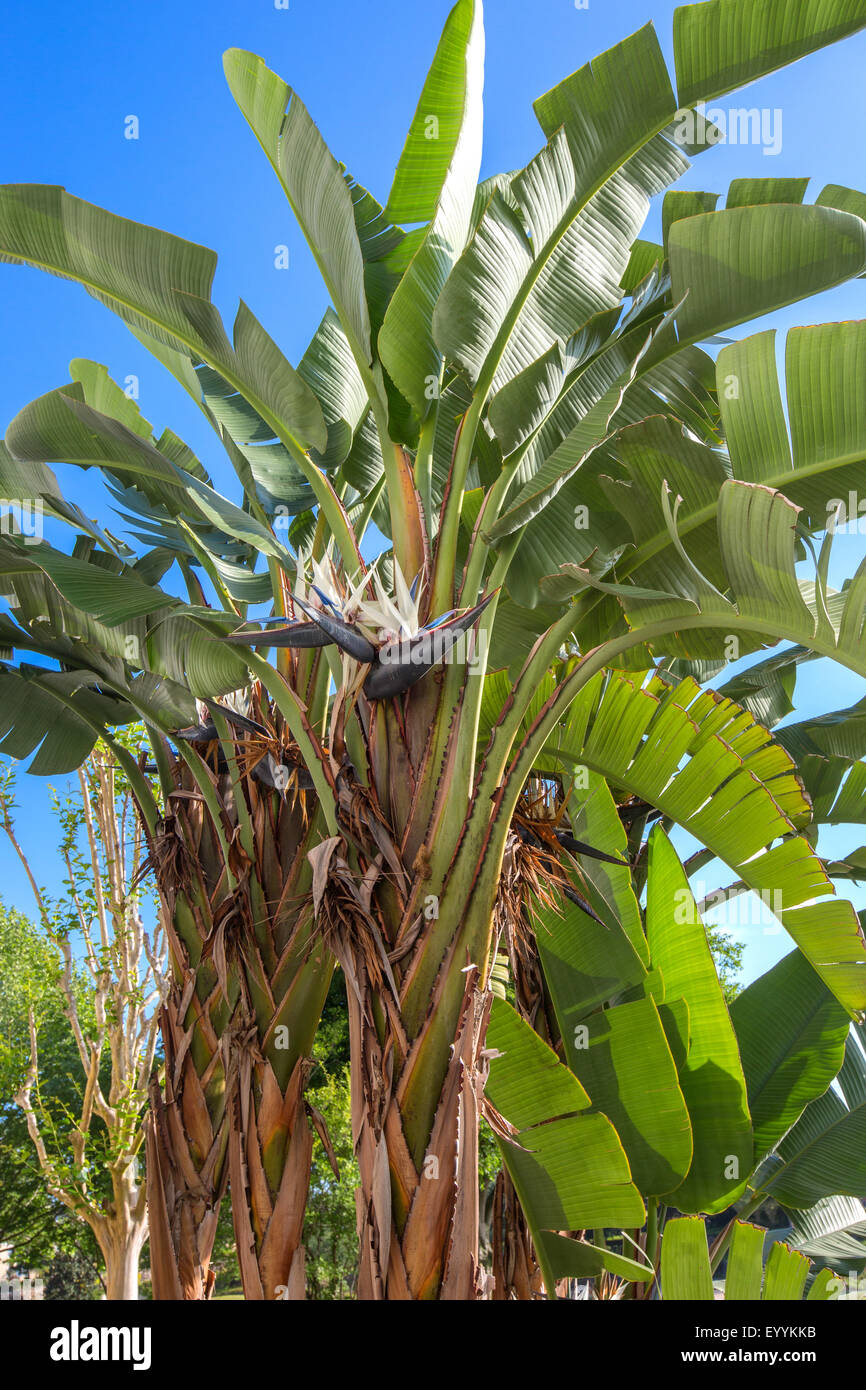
{"points": [[238, 1027], [182, 1202], [270, 1157], [121, 1270], [418, 1214], [516, 1272], [121, 1234], [414, 938]]}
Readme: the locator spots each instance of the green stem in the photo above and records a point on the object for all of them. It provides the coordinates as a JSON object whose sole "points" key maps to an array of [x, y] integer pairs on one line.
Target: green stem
{"points": [[424, 468], [446, 546], [211, 800], [163, 766], [652, 1239], [245, 825], [728, 1235]]}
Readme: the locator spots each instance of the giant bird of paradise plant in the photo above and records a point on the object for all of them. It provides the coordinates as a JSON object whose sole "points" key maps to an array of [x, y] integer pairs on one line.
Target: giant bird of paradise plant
{"points": [[513, 393]]}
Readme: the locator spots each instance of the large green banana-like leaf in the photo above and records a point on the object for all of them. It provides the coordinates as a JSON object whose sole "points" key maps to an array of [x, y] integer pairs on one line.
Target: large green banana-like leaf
{"points": [[435, 183], [828, 749], [275, 475], [833, 1229], [46, 623], [534, 275], [35, 480], [313, 183], [756, 542], [706, 287], [152, 498], [816, 466], [738, 794], [595, 821], [824, 1154], [567, 1258], [726, 43], [90, 615], [86, 613], [824, 458], [587, 963], [809, 248], [109, 596], [160, 286], [745, 1271], [57, 712], [622, 1057], [685, 1261], [331, 371], [141, 273], [686, 203], [791, 1034], [711, 1076], [686, 1273], [837, 798], [573, 422], [359, 255], [838, 734], [92, 423], [257, 453], [267, 470], [766, 688], [579, 1153], [60, 425]]}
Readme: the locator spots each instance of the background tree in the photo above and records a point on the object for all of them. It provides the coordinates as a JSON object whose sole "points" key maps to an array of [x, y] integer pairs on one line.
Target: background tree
{"points": [[70, 1276], [110, 999], [33, 1223]]}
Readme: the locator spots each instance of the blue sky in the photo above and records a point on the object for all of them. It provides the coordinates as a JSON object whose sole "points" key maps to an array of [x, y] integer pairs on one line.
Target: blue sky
{"points": [[76, 74]]}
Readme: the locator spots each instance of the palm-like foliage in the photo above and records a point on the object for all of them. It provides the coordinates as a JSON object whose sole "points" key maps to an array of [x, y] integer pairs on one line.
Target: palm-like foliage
{"points": [[520, 353]]}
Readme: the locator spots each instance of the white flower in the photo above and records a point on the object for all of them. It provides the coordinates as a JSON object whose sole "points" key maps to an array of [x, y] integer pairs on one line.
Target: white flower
{"points": [[384, 619]]}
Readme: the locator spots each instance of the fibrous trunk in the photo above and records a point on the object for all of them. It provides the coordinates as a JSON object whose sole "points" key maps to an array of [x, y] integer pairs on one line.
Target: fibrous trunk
{"points": [[418, 1068], [418, 1214], [248, 988]]}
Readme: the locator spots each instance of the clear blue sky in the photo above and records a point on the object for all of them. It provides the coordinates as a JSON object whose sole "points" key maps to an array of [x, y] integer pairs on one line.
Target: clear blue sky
{"points": [[75, 73]]}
